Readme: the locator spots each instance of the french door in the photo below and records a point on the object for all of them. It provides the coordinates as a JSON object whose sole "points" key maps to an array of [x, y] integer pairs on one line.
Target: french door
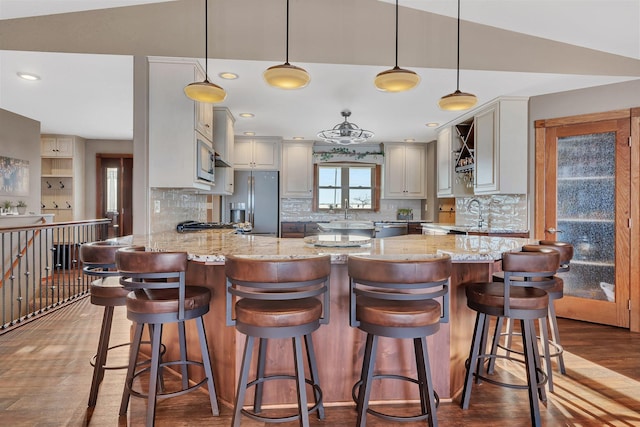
{"points": [[583, 197]]}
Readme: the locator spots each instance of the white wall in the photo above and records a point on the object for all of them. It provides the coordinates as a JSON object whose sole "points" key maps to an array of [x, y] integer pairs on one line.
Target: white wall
{"points": [[20, 139]]}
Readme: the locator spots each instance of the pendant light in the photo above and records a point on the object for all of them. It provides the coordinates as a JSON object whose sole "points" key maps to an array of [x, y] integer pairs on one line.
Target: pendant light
{"points": [[396, 79], [205, 91], [287, 76], [458, 101]]}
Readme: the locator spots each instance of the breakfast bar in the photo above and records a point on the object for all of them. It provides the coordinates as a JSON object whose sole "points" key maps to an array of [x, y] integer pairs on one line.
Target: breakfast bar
{"points": [[339, 347]]}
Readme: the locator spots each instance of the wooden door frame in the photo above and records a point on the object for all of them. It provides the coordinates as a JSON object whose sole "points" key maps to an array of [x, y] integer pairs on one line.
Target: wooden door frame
{"points": [[634, 209], [99, 183]]}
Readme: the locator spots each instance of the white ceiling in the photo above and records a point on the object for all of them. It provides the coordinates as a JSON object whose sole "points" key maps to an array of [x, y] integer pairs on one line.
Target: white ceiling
{"points": [[91, 95]]}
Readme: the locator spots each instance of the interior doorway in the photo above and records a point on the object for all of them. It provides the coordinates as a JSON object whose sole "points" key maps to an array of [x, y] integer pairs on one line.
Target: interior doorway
{"points": [[114, 179]]}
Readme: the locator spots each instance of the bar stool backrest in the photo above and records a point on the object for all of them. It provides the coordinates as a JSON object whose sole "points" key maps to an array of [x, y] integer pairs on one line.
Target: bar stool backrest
{"points": [[140, 269], [277, 278], [520, 268], [399, 278], [99, 258], [566, 252]]}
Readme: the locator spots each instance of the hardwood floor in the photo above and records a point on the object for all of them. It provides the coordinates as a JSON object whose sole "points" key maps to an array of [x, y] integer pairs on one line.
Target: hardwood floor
{"points": [[45, 378]]}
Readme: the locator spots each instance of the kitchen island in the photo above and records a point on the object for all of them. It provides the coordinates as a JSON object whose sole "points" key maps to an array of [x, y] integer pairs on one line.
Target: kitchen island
{"points": [[339, 347]]}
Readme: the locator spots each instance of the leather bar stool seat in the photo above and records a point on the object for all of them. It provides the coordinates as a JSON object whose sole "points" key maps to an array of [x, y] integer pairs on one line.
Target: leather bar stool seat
{"points": [[514, 298], [99, 262], [159, 295], [395, 296], [278, 297]]}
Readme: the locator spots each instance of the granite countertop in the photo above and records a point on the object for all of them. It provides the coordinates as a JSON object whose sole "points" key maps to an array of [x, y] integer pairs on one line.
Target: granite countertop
{"points": [[467, 229], [211, 246]]}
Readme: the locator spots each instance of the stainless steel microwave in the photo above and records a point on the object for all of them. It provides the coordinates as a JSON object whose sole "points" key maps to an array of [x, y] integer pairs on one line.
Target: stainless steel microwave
{"points": [[205, 162]]}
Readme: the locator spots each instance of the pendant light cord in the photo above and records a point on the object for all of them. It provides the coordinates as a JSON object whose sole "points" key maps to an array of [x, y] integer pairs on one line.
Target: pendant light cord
{"points": [[458, 59], [396, 34], [287, 38], [206, 40]]}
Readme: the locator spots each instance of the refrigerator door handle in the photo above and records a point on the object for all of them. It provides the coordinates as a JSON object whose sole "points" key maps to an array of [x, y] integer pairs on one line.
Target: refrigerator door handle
{"points": [[251, 198]]}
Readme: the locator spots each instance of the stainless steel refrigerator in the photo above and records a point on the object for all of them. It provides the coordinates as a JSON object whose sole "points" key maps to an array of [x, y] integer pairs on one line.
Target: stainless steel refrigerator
{"points": [[259, 191]]}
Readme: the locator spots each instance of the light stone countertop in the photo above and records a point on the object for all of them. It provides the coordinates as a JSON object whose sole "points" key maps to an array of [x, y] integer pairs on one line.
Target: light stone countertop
{"points": [[211, 246]]}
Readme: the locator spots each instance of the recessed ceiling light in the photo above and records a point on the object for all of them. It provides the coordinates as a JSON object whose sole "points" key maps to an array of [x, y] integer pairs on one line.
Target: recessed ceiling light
{"points": [[409, 140], [228, 76], [250, 133], [298, 138], [432, 124], [246, 115], [28, 76]]}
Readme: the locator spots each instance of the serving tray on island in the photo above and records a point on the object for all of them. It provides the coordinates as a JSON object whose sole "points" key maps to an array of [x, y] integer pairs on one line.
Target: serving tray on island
{"points": [[338, 240]]}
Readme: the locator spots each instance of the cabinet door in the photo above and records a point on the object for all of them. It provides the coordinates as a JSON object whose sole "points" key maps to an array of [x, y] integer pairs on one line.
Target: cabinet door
{"points": [[265, 154], [64, 147], [487, 150], [414, 164], [243, 153], [297, 170], [203, 112], [48, 147], [444, 163], [394, 171]]}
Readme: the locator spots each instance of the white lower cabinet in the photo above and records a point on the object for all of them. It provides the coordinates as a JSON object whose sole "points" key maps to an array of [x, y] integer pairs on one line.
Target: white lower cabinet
{"points": [[404, 171], [297, 169]]}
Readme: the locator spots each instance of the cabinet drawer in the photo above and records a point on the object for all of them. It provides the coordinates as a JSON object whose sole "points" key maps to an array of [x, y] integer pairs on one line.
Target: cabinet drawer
{"points": [[292, 229]]}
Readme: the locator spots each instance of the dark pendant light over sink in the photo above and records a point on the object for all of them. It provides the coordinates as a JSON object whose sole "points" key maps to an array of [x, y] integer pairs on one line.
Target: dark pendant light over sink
{"points": [[286, 76], [396, 79], [205, 91], [458, 101]]}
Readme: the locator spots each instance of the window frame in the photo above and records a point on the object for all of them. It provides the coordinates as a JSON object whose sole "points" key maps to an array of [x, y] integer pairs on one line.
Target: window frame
{"points": [[375, 185]]}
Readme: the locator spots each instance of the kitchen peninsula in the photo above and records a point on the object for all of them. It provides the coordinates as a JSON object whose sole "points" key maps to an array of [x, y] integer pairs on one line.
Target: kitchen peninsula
{"points": [[338, 346]]}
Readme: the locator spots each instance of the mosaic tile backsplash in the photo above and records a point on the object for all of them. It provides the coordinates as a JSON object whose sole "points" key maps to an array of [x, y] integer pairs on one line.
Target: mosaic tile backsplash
{"points": [[175, 206], [503, 211]]}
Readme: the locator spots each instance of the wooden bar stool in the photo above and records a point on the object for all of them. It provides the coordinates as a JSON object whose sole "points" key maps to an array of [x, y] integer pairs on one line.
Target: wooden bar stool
{"points": [[514, 299], [99, 261], [394, 296], [278, 297], [549, 326], [160, 295]]}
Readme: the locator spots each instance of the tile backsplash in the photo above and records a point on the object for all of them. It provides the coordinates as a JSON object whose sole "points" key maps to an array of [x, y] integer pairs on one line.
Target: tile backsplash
{"points": [[504, 211], [300, 210], [169, 206]]}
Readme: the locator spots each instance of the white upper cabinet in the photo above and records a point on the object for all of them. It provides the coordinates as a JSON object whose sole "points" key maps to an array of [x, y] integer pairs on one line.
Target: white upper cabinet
{"points": [[173, 124], [404, 171], [223, 143], [297, 169], [260, 153], [501, 148], [204, 112], [57, 146], [445, 163]]}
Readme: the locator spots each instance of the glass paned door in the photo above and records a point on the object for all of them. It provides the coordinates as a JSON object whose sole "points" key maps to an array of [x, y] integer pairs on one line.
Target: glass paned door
{"points": [[585, 172]]}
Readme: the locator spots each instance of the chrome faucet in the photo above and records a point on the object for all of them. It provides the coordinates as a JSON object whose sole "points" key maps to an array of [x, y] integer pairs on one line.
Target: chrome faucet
{"points": [[480, 219], [346, 209]]}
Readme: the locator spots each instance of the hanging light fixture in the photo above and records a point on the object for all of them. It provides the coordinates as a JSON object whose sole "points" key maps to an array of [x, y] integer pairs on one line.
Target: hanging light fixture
{"points": [[458, 101], [287, 76], [396, 79], [205, 91], [345, 133]]}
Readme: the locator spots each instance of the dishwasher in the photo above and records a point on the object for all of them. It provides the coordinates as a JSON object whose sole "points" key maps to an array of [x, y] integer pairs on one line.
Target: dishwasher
{"points": [[390, 229]]}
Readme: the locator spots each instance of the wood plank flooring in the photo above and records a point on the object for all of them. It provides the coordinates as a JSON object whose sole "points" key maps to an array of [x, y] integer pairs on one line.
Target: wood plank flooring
{"points": [[45, 377]]}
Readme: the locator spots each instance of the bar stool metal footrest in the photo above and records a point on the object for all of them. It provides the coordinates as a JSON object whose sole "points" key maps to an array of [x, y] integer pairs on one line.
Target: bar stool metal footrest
{"points": [[254, 416], [422, 416], [165, 394], [542, 376], [92, 362]]}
